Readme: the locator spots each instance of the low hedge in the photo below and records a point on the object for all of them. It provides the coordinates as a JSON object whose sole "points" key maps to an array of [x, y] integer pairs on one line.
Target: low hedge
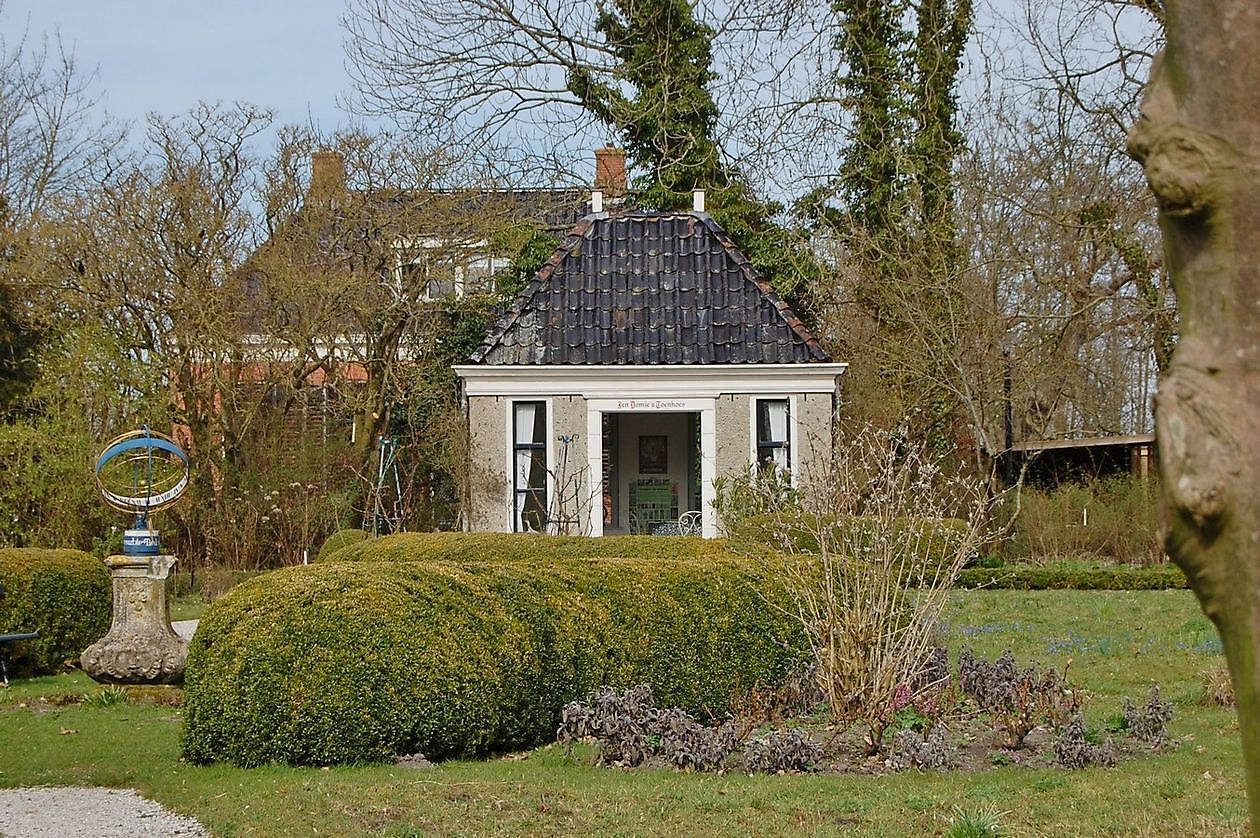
{"points": [[65, 595], [1027, 577], [478, 547], [935, 541], [339, 541], [349, 662]]}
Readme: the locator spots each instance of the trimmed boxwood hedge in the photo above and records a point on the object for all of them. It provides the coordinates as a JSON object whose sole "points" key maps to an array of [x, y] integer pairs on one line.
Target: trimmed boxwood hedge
{"points": [[62, 594], [349, 662], [1027, 577], [339, 541], [464, 547]]}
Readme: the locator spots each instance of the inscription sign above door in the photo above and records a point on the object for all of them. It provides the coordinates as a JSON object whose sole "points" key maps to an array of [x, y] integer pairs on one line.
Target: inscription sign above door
{"points": [[651, 404]]}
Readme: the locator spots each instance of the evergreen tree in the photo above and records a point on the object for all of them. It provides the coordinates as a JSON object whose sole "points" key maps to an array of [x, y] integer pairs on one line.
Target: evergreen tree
{"points": [[896, 175], [663, 54], [667, 123], [943, 27], [892, 203]]}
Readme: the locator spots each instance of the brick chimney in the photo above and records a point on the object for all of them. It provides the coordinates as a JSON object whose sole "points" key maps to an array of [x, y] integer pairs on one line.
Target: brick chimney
{"points": [[610, 172], [328, 176]]}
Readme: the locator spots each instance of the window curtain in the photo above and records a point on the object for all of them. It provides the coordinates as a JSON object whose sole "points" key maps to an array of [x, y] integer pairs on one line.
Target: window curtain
{"points": [[530, 464], [778, 419], [772, 433]]}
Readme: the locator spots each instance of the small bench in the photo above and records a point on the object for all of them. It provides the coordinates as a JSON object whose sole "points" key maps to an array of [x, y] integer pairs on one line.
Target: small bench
{"points": [[5, 641], [687, 524]]}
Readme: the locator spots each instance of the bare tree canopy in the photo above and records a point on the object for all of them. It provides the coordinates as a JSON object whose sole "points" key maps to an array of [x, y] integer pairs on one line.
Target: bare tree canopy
{"points": [[1095, 53], [467, 72], [1046, 91], [493, 76], [52, 137]]}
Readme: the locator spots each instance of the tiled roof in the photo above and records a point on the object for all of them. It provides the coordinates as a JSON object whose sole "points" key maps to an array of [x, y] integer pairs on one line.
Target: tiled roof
{"points": [[450, 212], [455, 217], [648, 288]]}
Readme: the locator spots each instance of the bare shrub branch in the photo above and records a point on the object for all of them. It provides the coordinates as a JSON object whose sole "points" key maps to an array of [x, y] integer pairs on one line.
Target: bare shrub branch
{"points": [[870, 542]]}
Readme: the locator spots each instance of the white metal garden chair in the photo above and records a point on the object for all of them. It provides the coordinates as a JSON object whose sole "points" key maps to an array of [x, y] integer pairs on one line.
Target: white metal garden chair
{"points": [[689, 523]]}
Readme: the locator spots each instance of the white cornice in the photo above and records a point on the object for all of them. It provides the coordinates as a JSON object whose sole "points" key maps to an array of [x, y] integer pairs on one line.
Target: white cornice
{"points": [[620, 382]]}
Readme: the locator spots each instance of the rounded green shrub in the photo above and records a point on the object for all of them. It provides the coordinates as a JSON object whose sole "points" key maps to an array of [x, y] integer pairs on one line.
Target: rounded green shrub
{"points": [[482, 547], [340, 540], [62, 594], [348, 662]]}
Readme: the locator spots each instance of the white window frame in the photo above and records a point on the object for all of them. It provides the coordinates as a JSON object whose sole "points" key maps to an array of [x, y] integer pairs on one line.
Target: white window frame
{"points": [[793, 423], [414, 251], [510, 459]]}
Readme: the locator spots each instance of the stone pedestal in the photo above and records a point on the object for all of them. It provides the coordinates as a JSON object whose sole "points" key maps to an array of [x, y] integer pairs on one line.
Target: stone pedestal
{"points": [[141, 647]]}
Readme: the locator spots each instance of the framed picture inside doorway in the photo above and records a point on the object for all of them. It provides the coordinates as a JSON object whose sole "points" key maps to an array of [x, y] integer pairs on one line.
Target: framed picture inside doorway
{"points": [[653, 454]]}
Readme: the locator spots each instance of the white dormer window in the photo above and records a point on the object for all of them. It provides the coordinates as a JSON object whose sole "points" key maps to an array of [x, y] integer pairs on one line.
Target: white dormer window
{"points": [[479, 272], [433, 269]]}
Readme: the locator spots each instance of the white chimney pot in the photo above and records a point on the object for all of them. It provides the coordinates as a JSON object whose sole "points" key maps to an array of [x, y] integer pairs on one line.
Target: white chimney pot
{"points": [[697, 199], [597, 201]]}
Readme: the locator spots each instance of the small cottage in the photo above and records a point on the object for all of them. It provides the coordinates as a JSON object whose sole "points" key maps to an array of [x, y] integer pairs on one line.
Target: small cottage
{"points": [[644, 360]]}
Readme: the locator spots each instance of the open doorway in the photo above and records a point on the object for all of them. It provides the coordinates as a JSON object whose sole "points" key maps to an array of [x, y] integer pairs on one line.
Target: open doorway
{"points": [[651, 470]]}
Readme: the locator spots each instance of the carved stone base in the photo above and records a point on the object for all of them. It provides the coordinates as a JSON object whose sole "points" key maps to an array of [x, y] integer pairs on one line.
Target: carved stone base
{"points": [[141, 647]]}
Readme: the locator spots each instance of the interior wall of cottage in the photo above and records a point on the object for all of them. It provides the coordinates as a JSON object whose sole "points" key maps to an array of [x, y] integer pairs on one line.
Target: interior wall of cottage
{"points": [[657, 469]]}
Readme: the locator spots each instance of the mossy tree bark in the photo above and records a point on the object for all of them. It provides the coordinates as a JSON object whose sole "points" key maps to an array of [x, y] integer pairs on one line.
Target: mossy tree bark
{"points": [[1199, 141]]}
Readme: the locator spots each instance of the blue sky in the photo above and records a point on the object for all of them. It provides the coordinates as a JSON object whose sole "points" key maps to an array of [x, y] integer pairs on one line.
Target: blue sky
{"points": [[164, 57]]}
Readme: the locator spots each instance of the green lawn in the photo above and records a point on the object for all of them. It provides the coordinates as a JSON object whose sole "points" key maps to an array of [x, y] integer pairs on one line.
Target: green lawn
{"points": [[1119, 643], [188, 607]]}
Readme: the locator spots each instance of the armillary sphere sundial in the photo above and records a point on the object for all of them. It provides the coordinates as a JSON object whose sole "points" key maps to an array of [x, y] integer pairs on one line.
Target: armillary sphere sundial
{"points": [[140, 473]]}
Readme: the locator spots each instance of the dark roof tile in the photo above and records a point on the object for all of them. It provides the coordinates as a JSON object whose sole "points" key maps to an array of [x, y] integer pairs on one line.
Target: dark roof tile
{"points": [[648, 288]]}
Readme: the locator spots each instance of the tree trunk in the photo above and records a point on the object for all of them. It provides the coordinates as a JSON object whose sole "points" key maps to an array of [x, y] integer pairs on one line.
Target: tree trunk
{"points": [[1198, 139]]}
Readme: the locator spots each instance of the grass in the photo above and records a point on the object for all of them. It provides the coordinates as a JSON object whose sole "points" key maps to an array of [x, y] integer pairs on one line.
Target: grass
{"points": [[980, 823], [1124, 642], [188, 607]]}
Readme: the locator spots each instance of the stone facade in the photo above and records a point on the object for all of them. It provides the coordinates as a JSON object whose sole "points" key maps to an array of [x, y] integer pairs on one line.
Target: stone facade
{"points": [[706, 434]]}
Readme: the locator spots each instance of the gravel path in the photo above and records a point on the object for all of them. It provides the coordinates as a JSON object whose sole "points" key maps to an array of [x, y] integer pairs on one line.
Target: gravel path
{"points": [[185, 628], [69, 812]]}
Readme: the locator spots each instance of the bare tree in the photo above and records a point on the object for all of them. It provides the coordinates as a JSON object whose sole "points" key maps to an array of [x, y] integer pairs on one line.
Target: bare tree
{"points": [[52, 137], [478, 73], [1196, 139], [1065, 240], [1093, 53], [492, 77], [1045, 263], [143, 267], [53, 144], [1059, 287]]}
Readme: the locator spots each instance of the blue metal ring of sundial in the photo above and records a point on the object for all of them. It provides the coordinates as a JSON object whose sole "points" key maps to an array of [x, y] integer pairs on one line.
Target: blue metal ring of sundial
{"points": [[158, 469]]}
